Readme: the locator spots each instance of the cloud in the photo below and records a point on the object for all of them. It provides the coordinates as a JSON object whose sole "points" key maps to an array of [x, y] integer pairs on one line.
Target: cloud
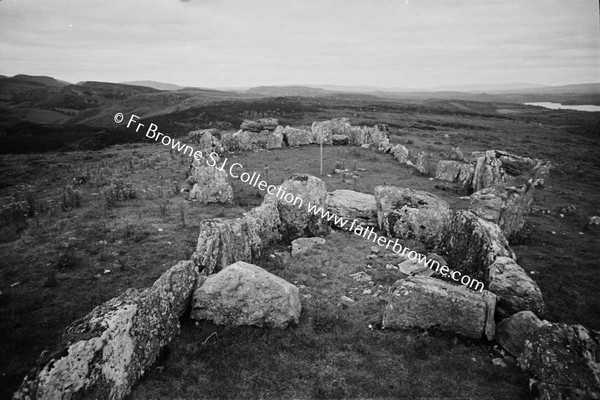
{"points": [[241, 43]]}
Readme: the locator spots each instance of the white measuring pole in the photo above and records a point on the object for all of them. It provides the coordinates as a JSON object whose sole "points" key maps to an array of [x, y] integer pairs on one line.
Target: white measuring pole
{"points": [[321, 154]]}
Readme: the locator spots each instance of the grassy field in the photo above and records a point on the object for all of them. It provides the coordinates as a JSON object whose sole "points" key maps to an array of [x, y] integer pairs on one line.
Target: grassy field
{"points": [[72, 252]]}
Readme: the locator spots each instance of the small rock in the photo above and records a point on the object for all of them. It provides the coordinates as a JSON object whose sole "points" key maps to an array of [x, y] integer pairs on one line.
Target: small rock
{"points": [[346, 299], [372, 256], [361, 277], [374, 249], [390, 266], [499, 362], [411, 267], [107, 271], [160, 229], [367, 291]]}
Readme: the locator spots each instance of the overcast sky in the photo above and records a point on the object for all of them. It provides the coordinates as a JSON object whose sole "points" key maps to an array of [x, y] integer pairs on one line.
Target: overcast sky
{"points": [[388, 43]]}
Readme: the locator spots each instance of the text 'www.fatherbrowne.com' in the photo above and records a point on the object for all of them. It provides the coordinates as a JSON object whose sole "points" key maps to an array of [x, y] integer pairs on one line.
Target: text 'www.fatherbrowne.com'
{"points": [[236, 170]]}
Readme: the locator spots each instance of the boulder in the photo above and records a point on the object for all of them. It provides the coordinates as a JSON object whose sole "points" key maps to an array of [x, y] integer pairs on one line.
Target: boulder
{"points": [[322, 131], [340, 139], [379, 136], [515, 289], [269, 123], [420, 301], [196, 136], [540, 173], [512, 332], [478, 248], [413, 267], [412, 214], [353, 205], [488, 170], [296, 137], [504, 205], [251, 126], [473, 244], [593, 223], [301, 191], [455, 171], [424, 162], [303, 245], [222, 242], [244, 140], [227, 141], [245, 294], [103, 354], [384, 146], [207, 141], [209, 185], [564, 362], [264, 222], [365, 136], [400, 153], [268, 140]]}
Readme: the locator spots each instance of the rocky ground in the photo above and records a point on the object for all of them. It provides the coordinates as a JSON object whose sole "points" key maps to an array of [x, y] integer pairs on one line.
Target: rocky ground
{"points": [[73, 254]]}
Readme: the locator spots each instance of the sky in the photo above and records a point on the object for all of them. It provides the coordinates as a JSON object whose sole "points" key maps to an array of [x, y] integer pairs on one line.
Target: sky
{"points": [[244, 43]]}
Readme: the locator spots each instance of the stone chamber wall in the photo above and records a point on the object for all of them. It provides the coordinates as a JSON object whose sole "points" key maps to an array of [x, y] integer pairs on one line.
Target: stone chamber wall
{"points": [[105, 353]]}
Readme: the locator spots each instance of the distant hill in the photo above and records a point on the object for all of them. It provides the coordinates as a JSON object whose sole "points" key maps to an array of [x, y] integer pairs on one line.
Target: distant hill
{"points": [[37, 80], [481, 88], [288, 91], [154, 85], [578, 88]]}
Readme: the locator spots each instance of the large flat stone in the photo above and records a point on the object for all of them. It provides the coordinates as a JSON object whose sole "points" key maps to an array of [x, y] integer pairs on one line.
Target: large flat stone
{"points": [[105, 353], [353, 205], [424, 302], [245, 294], [412, 214]]}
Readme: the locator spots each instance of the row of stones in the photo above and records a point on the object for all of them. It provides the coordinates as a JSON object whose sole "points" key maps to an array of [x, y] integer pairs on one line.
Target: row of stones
{"points": [[268, 134], [503, 183]]}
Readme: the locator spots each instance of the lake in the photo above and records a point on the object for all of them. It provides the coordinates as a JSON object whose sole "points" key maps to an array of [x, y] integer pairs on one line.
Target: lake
{"points": [[558, 106]]}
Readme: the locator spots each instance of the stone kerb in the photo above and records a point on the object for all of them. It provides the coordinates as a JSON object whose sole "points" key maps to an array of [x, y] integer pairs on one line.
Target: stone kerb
{"points": [[106, 352], [507, 205], [478, 248], [222, 242], [420, 301]]}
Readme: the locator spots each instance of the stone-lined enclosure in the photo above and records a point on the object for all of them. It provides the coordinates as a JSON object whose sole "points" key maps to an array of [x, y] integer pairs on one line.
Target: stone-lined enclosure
{"points": [[106, 352]]}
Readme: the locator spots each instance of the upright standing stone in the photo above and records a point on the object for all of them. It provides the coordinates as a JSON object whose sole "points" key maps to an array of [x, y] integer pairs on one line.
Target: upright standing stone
{"points": [[297, 193]]}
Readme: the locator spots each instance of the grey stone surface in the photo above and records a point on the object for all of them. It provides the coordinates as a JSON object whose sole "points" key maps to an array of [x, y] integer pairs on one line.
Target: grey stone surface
{"points": [[245, 294], [424, 302], [412, 214], [563, 361], [512, 332], [106, 352], [222, 242], [296, 220], [353, 205]]}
